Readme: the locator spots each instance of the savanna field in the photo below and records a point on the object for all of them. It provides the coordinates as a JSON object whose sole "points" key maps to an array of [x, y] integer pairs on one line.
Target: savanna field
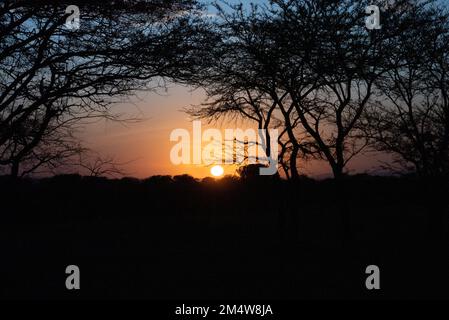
{"points": [[261, 238]]}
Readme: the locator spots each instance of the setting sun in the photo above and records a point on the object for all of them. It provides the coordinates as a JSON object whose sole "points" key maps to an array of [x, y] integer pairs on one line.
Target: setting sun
{"points": [[217, 171]]}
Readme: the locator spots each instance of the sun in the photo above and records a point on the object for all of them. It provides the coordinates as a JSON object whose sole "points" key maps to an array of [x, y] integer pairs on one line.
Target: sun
{"points": [[217, 171]]}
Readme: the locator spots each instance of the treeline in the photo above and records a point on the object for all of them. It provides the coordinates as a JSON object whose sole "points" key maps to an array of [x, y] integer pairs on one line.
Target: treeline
{"points": [[332, 87], [311, 69], [54, 80]]}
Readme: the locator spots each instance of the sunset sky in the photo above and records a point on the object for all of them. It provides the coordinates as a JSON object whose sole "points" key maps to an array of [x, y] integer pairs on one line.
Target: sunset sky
{"points": [[145, 146]]}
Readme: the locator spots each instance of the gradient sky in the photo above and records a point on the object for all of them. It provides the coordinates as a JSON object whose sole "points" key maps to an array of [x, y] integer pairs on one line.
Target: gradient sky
{"points": [[145, 146]]}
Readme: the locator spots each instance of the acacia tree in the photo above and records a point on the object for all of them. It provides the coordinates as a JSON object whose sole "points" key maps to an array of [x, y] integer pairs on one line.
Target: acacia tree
{"points": [[234, 104], [316, 62], [53, 78], [409, 118], [241, 75], [344, 60], [306, 57], [439, 82]]}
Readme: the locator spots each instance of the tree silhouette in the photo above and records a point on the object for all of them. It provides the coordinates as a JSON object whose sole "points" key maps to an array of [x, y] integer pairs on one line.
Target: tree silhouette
{"points": [[54, 78], [409, 118], [241, 80], [312, 69]]}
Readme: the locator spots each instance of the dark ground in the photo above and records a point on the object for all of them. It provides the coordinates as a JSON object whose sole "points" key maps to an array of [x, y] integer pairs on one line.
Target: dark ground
{"points": [[165, 239]]}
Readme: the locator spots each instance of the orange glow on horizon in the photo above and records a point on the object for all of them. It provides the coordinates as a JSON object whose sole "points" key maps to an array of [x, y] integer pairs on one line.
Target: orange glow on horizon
{"points": [[145, 146]]}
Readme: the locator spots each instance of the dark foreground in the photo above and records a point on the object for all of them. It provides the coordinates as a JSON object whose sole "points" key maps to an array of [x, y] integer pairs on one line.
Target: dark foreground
{"points": [[165, 239]]}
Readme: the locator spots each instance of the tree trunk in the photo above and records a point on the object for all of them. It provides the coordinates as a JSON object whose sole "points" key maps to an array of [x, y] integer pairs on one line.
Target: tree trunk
{"points": [[293, 168], [337, 171], [14, 169]]}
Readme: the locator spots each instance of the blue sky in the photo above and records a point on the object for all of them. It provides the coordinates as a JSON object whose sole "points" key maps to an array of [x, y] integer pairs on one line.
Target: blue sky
{"points": [[248, 3]]}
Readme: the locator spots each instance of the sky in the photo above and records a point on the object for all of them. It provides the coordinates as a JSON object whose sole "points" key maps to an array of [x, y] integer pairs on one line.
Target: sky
{"points": [[144, 147]]}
